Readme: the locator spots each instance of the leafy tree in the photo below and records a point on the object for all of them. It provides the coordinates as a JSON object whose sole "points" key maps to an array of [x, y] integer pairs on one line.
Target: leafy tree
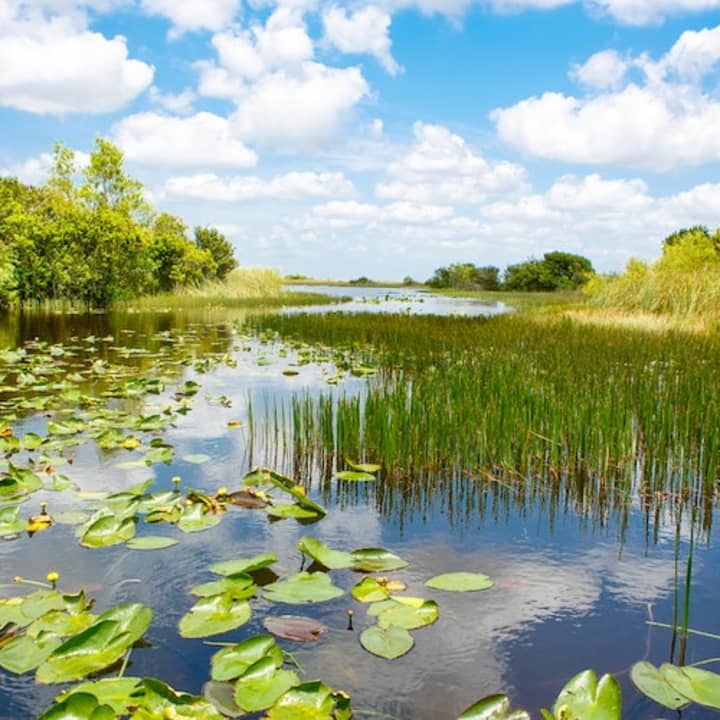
{"points": [[466, 276], [557, 270], [697, 234], [221, 251]]}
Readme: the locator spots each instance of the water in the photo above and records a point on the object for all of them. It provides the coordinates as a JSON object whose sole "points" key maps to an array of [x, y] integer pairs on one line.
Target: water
{"points": [[572, 590]]}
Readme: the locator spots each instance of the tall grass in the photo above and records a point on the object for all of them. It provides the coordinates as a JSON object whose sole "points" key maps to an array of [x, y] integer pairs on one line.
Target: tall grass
{"points": [[601, 414]]}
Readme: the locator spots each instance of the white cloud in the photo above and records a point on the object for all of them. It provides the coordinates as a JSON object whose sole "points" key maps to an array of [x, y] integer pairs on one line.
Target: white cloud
{"points": [[244, 188], [35, 170], [648, 12], [201, 140], [300, 110], [192, 16], [180, 103], [658, 124], [345, 214], [604, 70], [46, 68], [441, 167], [362, 31]]}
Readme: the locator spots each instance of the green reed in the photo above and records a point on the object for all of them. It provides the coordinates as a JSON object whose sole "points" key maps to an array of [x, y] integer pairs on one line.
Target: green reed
{"points": [[601, 413]]}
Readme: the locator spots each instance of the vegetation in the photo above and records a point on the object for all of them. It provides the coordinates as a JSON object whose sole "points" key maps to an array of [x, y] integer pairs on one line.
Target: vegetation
{"points": [[556, 271], [98, 241], [684, 282]]}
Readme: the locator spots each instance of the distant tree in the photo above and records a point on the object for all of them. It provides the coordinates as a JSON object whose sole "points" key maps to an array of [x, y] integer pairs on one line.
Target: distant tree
{"points": [[557, 270], [407, 280], [362, 280], [466, 276], [221, 251]]}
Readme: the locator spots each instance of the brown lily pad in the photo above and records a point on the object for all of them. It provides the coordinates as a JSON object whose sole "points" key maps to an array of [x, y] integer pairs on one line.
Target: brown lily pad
{"points": [[294, 627], [246, 499]]}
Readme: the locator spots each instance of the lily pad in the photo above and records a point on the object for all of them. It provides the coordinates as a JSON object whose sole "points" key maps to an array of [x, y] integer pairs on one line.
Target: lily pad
{"points": [[222, 696], [240, 586], [584, 697], [109, 530], [321, 553], [79, 706], [408, 617], [160, 701], [246, 565], [295, 510], [311, 701], [460, 582], [262, 684], [196, 458], [25, 653], [370, 590], [294, 627], [196, 519], [363, 467], [151, 542], [493, 707], [115, 692], [650, 681], [390, 642], [230, 663], [700, 686], [214, 615], [376, 560], [302, 588], [354, 476]]}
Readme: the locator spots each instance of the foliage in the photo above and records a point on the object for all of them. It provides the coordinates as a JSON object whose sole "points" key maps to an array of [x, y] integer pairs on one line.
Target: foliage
{"points": [[466, 276], [556, 271], [97, 241], [683, 282]]}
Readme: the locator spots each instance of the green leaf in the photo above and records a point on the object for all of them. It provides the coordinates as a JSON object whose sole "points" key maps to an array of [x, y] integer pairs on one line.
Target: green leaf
{"points": [[370, 590], [25, 653], [376, 560], [230, 663], [222, 696], [354, 476], [390, 642], [700, 686], [195, 519], [262, 684], [109, 530], [295, 510], [196, 459], [239, 586], [493, 707], [214, 615], [311, 701], [23, 610], [114, 691], [585, 698], [460, 582], [79, 706], [161, 702], [363, 467], [151, 542], [321, 553], [408, 617], [10, 521], [247, 565], [651, 682], [302, 588]]}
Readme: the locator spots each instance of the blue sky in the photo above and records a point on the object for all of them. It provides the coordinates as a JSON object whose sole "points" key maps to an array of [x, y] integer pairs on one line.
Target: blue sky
{"points": [[387, 138]]}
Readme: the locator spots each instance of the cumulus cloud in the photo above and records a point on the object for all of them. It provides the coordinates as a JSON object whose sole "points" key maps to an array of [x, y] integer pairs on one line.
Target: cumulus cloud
{"points": [[245, 188], [648, 12], [180, 103], [45, 67], [301, 110], [440, 167], [36, 169], [665, 121], [193, 16], [201, 140], [363, 31]]}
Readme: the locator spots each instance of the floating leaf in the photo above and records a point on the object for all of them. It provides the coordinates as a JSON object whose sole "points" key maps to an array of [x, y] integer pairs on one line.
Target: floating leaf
{"points": [[25, 653], [160, 701], [354, 476], [239, 586], [222, 696], [214, 615], [369, 590], [321, 553], [196, 519], [292, 511], [363, 467], [230, 663], [389, 642], [246, 499], [376, 560], [196, 459], [151, 542], [108, 530], [10, 521], [79, 706], [71, 517], [460, 582], [262, 684], [584, 697], [700, 686], [302, 588], [294, 627], [651, 681], [493, 707], [408, 617], [247, 565], [22, 611], [115, 692], [311, 701]]}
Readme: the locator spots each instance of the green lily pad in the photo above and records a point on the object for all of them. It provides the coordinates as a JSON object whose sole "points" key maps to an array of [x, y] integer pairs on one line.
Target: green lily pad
{"points": [[493, 707], [239, 586], [262, 684], [295, 510], [151, 542], [584, 697], [23, 610], [363, 467], [160, 701], [369, 590], [311, 701], [650, 681], [409, 617], [114, 691], [79, 706], [460, 582], [214, 615], [700, 686], [321, 553], [376, 560], [230, 663], [25, 653], [389, 642], [246, 565], [196, 519], [71, 517], [222, 696], [109, 530], [302, 588], [10, 521]]}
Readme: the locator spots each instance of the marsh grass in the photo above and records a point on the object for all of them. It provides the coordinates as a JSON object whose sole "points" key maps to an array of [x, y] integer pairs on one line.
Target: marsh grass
{"points": [[599, 415]]}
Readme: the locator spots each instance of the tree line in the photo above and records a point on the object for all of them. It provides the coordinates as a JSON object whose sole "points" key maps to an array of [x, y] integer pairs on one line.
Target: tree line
{"points": [[93, 238], [557, 270]]}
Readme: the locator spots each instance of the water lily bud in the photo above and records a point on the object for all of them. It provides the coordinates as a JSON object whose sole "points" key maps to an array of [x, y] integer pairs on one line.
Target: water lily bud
{"points": [[18, 579], [53, 577], [222, 491]]}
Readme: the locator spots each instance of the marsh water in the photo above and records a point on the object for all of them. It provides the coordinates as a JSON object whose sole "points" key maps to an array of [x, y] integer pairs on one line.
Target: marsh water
{"points": [[574, 589]]}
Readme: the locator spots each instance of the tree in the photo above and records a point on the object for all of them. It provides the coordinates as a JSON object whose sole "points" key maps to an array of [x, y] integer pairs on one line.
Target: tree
{"points": [[221, 251], [557, 270], [698, 234], [466, 276]]}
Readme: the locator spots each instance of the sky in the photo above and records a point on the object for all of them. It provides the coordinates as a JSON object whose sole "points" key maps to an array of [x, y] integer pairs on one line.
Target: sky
{"points": [[339, 139]]}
